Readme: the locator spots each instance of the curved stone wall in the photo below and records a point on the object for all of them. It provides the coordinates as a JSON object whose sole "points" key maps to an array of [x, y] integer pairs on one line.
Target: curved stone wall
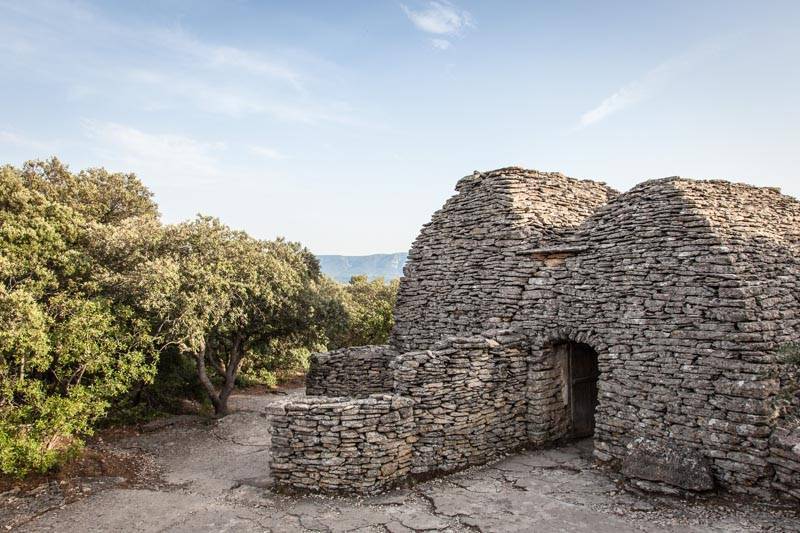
{"points": [[469, 399], [456, 406], [342, 444], [353, 372]]}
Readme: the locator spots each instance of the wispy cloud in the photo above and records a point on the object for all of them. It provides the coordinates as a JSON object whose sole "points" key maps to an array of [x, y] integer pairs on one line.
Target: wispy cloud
{"points": [[161, 157], [622, 98], [440, 18], [647, 86], [223, 56], [266, 152], [166, 68], [179, 90]]}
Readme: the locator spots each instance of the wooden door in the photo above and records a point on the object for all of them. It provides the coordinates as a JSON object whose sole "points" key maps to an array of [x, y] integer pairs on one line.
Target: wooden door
{"points": [[583, 373]]}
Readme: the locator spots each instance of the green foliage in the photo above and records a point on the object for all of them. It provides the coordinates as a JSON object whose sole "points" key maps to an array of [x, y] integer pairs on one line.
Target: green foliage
{"points": [[67, 347], [355, 314], [281, 360], [174, 390], [225, 296], [366, 312], [94, 193], [105, 313]]}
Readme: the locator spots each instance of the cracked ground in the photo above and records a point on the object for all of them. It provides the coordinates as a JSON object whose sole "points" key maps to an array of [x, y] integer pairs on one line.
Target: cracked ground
{"points": [[207, 475]]}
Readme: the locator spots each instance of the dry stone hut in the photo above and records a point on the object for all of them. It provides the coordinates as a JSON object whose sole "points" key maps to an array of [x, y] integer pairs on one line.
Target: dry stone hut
{"points": [[537, 308]]}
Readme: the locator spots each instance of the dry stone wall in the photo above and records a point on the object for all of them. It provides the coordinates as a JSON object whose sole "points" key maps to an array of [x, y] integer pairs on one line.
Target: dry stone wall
{"points": [[784, 452], [785, 459], [342, 444], [353, 372], [685, 334], [465, 272], [684, 289], [469, 399]]}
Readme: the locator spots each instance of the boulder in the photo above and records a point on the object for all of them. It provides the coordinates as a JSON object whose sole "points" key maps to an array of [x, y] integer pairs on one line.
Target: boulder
{"points": [[666, 463]]}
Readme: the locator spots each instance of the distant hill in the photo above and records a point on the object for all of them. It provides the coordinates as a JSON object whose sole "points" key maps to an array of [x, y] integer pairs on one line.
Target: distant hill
{"points": [[343, 267]]}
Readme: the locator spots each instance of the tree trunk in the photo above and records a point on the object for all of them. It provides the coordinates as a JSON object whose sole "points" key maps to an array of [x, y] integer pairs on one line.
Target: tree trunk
{"points": [[220, 409], [228, 373], [231, 371]]}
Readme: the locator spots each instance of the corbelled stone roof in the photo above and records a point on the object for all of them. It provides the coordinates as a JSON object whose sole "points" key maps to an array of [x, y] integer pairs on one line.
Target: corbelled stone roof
{"points": [[469, 262], [472, 260], [734, 211], [750, 234]]}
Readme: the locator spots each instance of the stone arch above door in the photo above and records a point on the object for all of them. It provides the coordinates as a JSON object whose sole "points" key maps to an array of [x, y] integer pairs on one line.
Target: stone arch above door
{"points": [[550, 407]]}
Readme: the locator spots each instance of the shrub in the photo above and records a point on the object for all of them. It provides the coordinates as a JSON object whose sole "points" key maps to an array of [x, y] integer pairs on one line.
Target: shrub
{"points": [[366, 312], [67, 347], [104, 309]]}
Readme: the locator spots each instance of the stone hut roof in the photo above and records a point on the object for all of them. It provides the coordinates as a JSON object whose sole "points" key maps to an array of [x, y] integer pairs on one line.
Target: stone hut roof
{"points": [[759, 229], [717, 241], [753, 225], [737, 211], [469, 262], [547, 205], [734, 211]]}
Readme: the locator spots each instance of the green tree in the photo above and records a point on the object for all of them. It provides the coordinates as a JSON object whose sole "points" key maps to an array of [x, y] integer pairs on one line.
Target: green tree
{"points": [[67, 348], [95, 293], [95, 193], [366, 315], [233, 296]]}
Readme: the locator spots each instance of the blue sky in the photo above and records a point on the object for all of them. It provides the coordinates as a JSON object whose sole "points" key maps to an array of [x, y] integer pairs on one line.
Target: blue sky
{"points": [[345, 124]]}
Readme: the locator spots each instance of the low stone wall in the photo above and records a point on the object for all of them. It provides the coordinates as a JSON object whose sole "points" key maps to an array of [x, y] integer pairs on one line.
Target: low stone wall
{"points": [[356, 372], [469, 399], [342, 444]]}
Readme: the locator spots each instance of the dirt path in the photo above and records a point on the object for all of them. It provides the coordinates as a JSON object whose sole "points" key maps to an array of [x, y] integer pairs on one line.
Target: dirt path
{"points": [[200, 475]]}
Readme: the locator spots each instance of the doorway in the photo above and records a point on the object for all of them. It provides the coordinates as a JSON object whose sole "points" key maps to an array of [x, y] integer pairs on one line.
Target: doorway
{"points": [[581, 384]]}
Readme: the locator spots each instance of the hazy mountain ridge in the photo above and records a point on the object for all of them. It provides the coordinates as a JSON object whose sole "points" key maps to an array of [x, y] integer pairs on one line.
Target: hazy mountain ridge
{"points": [[343, 267]]}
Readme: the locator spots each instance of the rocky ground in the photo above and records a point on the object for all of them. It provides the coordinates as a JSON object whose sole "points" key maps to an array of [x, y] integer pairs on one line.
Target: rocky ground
{"points": [[193, 474]]}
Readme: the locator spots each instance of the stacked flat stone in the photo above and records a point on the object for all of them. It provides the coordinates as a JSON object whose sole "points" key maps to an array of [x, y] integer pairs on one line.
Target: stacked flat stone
{"points": [[465, 267], [469, 399], [685, 290], [342, 444], [785, 459], [355, 372], [785, 440], [668, 292]]}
